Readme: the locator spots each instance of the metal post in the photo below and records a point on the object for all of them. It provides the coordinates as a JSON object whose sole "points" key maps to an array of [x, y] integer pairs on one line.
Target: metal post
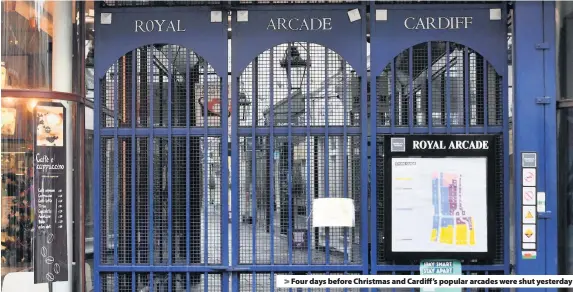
{"points": [[62, 81], [535, 126]]}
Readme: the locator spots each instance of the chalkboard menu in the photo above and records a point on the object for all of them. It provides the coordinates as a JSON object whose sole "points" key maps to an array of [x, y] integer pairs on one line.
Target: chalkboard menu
{"points": [[50, 232]]}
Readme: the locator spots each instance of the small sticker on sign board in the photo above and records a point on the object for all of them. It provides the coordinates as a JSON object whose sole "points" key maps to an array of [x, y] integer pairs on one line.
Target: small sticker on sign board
{"points": [[529, 177], [541, 202], [528, 215], [528, 196], [528, 255], [529, 233]]}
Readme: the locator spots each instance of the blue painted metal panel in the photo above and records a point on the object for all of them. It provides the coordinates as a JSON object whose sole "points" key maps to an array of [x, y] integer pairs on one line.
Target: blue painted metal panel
{"points": [[534, 124], [419, 90], [282, 142], [146, 94]]}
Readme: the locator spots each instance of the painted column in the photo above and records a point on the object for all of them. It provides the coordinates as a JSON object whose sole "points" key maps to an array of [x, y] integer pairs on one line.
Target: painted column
{"points": [[534, 121], [62, 81]]}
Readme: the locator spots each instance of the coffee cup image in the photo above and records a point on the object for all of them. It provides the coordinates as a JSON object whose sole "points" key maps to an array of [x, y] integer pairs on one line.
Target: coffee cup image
{"points": [[50, 126]]}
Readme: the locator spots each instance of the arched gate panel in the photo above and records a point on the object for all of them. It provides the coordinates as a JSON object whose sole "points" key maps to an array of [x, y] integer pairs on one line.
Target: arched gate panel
{"points": [[439, 70], [160, 140], [298, 134]]}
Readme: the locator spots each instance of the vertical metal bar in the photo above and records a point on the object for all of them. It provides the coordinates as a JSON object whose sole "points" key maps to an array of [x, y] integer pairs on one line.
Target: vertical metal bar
{"points": [[150, 157], [188, 280], [410, 89], [549, 158], [272, 154], [169, 274], [206, 279], [80, 125], [97, 175], [115, 284], [205, 159], [169, 162], [345, 150], [187, 159], [225, 171], [326, 149], [448, 90], [134, 90], [289, 149], [485, 95], [430, 79], [234, 176], [369, 235], [308, 142], [254, 113], [392, 96], [466, 90], [115, 163]]}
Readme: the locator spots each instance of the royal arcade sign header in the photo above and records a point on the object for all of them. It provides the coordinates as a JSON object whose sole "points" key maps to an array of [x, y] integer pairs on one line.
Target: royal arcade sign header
{"points": [[314, 24]]}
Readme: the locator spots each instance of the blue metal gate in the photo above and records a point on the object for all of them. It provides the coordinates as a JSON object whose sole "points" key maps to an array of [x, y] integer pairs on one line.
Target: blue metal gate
{"points": [[300, 135], [207, 183], [161, 111], [439, 69]]}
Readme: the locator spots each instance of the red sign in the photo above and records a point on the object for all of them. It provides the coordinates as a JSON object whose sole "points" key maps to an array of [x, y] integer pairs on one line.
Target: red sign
{"points": [[529, 176], [213, 107], [529, 195]]}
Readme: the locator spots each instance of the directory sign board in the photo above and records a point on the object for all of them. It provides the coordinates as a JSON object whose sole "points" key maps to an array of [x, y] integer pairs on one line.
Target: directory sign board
{"points": [[439, 192]]}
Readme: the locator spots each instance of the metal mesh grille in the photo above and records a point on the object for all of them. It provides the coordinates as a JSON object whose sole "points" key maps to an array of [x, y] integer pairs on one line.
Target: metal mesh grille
{"points": [[175, 77], [160, 186], [280, 174], [294, 75], [277, 229], [108, 167], [160, 282], [191, 215], [462, 85]]}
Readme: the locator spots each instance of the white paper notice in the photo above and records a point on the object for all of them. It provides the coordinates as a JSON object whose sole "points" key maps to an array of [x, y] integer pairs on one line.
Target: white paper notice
{"points": [[333, 212], [439, 204]]}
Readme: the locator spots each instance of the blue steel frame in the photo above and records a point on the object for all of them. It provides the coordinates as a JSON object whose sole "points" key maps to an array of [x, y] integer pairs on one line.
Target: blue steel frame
{"points": [[252, 38], [534, 37], [487, 37], [112, 42], [534, 121]]}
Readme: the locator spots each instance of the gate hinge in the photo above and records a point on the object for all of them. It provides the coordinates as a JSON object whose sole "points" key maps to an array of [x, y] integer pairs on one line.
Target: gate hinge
{"points": [[542, 46], [543, 100]]}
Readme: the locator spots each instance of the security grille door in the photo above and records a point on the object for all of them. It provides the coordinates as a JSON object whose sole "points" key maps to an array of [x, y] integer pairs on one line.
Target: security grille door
{"points": [[437, 80], [300, 136], [161, 154], [210, 183]]}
